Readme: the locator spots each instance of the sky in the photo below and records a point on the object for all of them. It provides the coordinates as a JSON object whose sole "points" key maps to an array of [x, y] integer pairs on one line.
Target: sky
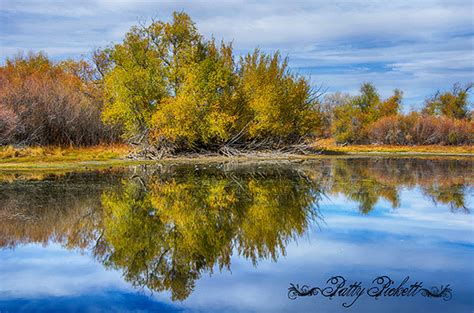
{"points": [[418, 46]]}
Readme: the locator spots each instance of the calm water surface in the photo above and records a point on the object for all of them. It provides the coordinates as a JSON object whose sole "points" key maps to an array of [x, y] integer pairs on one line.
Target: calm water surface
{"points": [[231, 238]]}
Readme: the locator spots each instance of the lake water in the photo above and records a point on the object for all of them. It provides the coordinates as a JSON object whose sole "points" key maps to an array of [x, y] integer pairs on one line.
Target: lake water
{"points": [[232, 237]]}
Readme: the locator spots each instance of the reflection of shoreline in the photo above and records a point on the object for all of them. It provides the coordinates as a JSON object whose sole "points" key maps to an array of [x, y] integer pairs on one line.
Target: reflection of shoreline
{"points": [[367, 180], [164, 227], [10, 171], [49, 200]]}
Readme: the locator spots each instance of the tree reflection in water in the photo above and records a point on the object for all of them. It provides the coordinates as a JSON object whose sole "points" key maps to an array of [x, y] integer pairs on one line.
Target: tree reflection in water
{"points": [[164, 226]]}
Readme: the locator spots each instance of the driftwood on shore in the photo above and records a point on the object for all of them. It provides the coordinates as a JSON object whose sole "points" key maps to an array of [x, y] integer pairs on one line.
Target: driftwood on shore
{"points": [[253, 149]]}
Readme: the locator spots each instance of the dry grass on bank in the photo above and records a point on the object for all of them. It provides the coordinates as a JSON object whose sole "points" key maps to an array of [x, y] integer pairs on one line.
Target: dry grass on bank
{"points": [[329, 146], [10, 154]]}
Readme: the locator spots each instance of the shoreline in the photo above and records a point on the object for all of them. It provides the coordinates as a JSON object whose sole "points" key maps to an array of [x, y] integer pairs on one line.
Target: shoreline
{"points": [[92, 159]]}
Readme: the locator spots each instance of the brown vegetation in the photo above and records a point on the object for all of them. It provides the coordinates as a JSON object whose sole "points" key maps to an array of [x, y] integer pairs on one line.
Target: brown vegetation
{"points": [[42, 103], [416, 129]]}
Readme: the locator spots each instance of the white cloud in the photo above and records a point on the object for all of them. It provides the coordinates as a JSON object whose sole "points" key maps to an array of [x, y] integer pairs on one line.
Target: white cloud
{"points": [[425, 45]]}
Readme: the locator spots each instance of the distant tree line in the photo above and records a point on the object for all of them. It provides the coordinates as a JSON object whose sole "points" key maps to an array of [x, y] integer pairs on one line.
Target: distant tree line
{"points": [[166, 87], [366, 118]]}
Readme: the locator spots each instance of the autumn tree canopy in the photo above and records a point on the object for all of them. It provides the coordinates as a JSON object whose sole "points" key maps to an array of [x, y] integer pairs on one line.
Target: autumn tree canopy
{"points": [[452, 104], [169, 85]]}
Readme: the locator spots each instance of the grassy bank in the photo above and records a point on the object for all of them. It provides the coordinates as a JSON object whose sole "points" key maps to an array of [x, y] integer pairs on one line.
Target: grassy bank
{"points": [[83, 158], [10, 154], [38, 158], [328, 146]]}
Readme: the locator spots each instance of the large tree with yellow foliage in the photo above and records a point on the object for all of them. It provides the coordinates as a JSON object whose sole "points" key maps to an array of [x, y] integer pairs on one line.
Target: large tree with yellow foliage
{"points": [[169, 86]]}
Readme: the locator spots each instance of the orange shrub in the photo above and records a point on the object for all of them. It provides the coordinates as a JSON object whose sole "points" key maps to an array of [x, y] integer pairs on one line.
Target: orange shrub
{"points": [[387, 130], [425, 131], [416, 129], [48, 104]]}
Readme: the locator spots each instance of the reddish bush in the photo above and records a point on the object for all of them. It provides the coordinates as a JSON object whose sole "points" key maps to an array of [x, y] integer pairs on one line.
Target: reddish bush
{"points": [[462, 132], [416, 129], [8, 124], [52, 104], [387, 130], [425, 131]]}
